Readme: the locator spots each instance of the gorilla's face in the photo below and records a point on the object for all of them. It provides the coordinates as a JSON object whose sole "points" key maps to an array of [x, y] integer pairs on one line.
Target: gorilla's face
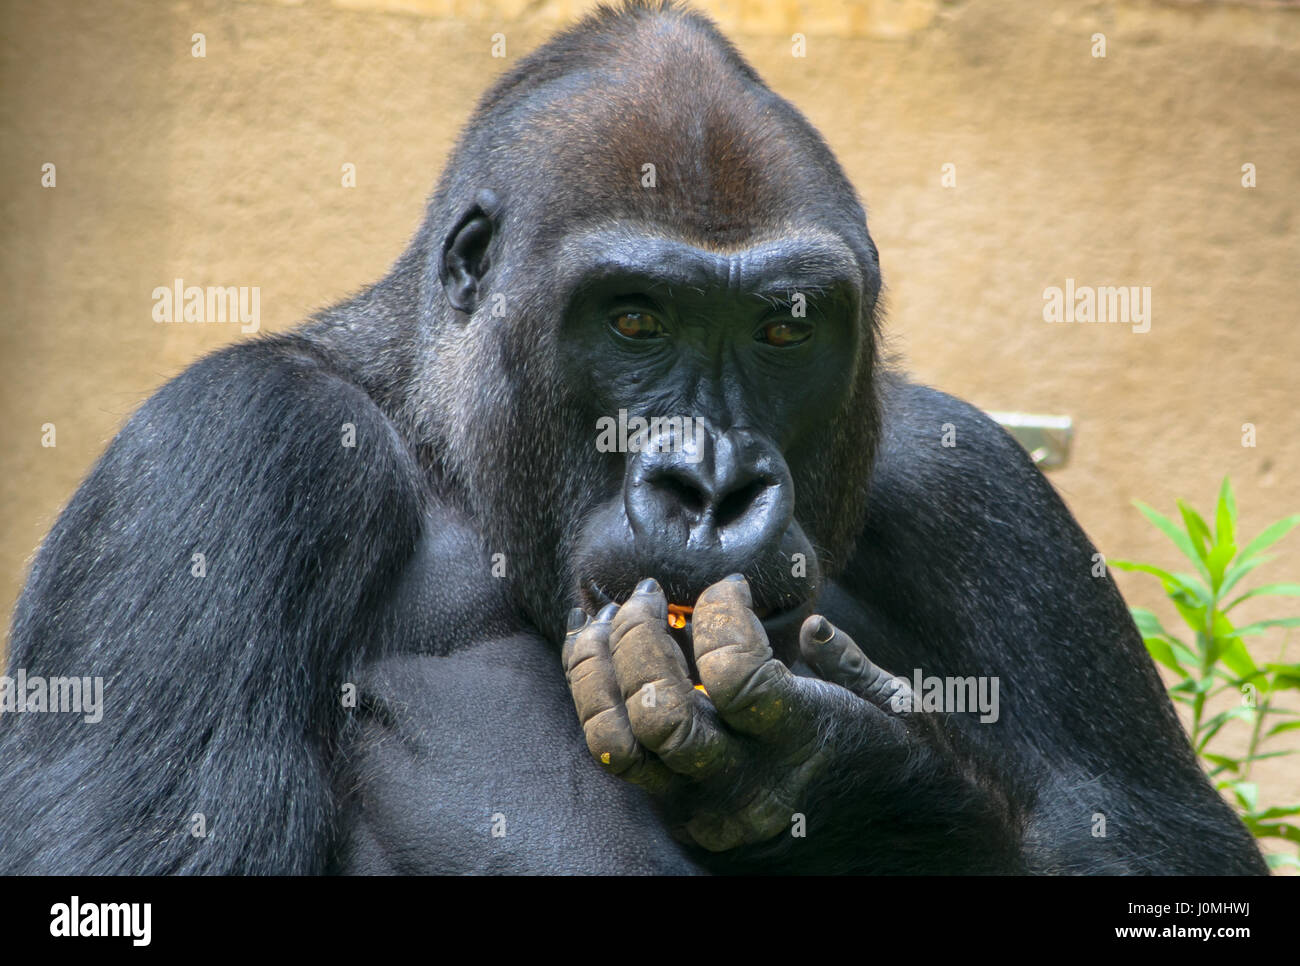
{"points": [[655, 354], [702, 371]]}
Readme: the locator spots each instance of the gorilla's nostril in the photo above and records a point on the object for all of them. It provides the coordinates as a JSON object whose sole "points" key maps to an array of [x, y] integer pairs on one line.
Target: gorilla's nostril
{"points": [[682, 491], [738, 502]]}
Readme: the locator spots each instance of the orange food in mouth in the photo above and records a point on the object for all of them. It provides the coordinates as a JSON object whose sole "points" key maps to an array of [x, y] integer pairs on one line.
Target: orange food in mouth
{"points": [[677, 615]]}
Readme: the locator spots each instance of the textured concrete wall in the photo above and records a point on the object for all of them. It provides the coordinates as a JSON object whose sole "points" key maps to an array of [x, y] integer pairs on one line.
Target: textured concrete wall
{"points": [[1122, 170]]}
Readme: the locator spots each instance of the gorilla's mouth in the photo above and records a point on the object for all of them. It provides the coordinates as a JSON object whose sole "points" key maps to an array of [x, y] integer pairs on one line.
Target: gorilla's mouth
{"points": [[596, 598]]}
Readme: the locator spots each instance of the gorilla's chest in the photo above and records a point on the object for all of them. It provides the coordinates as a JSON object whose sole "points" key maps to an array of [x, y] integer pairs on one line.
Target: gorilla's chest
{"points": [[475, 763]]}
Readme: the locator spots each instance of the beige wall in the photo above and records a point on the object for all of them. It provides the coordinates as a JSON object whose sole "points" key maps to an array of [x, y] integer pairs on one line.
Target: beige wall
{"points": [[1124, 170]]}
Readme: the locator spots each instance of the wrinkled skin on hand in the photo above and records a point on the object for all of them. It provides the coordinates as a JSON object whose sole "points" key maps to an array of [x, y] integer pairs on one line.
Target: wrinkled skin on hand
{"points": [[732, 767]]}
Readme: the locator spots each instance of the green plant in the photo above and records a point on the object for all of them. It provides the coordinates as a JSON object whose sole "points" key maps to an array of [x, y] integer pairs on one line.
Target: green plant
{"points": [[1216, 658]]}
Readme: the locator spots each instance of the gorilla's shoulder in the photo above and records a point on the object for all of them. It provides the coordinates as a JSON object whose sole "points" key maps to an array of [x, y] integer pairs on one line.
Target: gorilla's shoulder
{"points": [[947, 468], [929, 436], [279, 380], [318, 431]]}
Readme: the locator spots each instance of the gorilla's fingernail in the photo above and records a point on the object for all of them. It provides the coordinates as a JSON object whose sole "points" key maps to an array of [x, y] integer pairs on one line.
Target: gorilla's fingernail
{"points": [[647, 586], [736, 577], [607, 613], [823, 632], [577, 617]]}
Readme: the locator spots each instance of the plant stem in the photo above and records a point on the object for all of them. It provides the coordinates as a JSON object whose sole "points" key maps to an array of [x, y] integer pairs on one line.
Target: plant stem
{"points": [[1260, 712], [1207, 643]]}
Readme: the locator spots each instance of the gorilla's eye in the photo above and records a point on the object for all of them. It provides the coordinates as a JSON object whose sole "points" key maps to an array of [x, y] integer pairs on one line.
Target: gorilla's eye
{"points": [[637, 325], [784, 334]]}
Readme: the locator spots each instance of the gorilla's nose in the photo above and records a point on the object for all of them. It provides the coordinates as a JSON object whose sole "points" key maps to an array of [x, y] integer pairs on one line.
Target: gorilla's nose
{"points": [[730, 496]]}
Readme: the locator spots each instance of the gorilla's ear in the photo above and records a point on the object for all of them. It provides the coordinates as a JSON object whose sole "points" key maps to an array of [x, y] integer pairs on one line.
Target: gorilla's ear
{"points": [[465, 251]]}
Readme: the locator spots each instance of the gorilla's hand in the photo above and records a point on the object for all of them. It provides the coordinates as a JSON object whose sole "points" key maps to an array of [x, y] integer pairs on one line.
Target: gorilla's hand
{"points": [[733, 767]]}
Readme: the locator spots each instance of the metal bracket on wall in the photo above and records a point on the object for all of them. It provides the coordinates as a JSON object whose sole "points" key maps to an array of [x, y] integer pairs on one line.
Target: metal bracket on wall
{"points": [[1045, 438]]}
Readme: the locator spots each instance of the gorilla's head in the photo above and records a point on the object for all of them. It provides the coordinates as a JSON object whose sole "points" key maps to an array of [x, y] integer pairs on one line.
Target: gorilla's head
{"points": [[634, 231]]}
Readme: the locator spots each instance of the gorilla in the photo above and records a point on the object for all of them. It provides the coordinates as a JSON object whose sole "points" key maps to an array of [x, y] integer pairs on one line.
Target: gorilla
{"points": [[614, 436]]}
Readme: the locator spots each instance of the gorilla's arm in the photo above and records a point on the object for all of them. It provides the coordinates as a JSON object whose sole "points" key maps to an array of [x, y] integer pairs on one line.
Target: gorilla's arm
{"points": [[970, 564], [221, 691]]}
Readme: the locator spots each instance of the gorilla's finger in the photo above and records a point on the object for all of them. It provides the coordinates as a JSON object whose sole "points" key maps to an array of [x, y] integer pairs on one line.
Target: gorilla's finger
{"points": [[652, 655], [578, 619], [667, 715], [837, 659], [752, 690], [601, 711]]}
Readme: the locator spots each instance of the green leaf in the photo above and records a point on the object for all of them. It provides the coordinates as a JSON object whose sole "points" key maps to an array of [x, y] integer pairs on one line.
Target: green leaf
{"points": [[1239, 570], [1279, 860], [1160, 651], [1222, 761], [1285, 677], [1233, 683], [1269, 536], [1211, 727], [1227, 647], [1225, 515], [1277, 729], [1272, 754], [1218, 561], [1148, 625], [1201, 540], [1147, 622], [1180, 539], [1247, 793], [1184, 582], [1193, 614], [1182, 652], [1241, 711], [1281, 811], [1145, 618], [1260, 626], [1237, 683], [1267, 590], [1192, 585], [1280, 831], [1235, 655]]}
